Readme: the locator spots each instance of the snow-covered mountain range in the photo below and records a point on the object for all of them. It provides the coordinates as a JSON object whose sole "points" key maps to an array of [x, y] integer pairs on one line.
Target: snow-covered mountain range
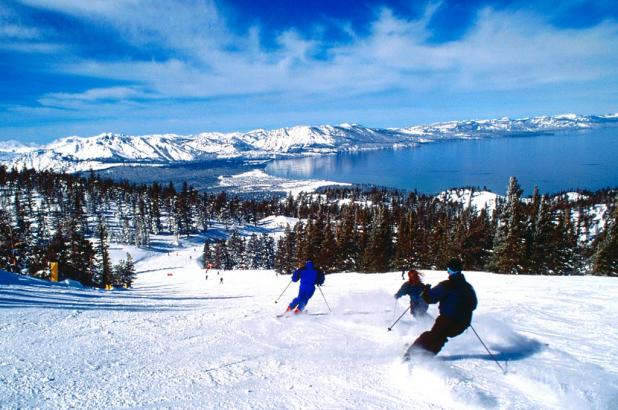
{"points": [[109, 149]]}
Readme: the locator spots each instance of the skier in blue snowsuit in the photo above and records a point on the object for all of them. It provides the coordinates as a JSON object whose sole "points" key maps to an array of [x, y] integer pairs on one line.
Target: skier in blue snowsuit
{"points": [[309, 277]]}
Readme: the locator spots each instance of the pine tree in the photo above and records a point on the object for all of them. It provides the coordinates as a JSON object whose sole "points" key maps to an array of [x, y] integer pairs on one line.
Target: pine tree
{"points": [[605, 260], [346, 238], [253, 254], [509, 249], [103, 267], [268, 250], [532, 210], [474, 239], [124, 273], [378, 253], [208, 255], [285, 259], [8, 239], [23, 243], [404, 244], [184, 210], [312, 239], [362, 240], [155, 209], [327, 253], [540, 243], [236, 251], [79, 263], [300, 250], [564, 244], [441, 237]]}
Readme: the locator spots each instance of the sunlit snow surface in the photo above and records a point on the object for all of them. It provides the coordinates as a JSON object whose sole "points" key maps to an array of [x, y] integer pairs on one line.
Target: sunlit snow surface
{"points": [[177, 340], [259, 181]]}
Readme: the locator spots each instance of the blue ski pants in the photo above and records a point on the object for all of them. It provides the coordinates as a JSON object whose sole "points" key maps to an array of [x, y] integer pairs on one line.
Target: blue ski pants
{"points": [[303, 297]]}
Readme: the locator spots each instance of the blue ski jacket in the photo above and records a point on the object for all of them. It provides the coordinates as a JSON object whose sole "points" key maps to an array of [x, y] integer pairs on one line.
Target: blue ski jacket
{"points": [[414, 291], [456, 296], [309, 276]]}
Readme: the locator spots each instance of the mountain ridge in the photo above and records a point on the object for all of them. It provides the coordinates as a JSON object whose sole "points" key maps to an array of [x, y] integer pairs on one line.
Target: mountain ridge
{"points": [[106, 150]]}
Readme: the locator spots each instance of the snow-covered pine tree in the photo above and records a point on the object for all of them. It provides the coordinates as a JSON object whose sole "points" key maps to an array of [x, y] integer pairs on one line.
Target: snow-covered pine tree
{"points": [[363, 218], [268, 250], [184, 210], [253, 253], [404, 245], [208, 255], [103, 265], [533, 210], [202, 214], [8, 239], [221, 258], [605, 260], [509, 246], [124, 273], [236, 250], [140, 223], [154, 198]]}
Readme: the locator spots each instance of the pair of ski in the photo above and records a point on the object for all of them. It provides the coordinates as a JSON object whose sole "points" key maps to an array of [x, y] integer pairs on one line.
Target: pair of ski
{"points": [[292, 314]]}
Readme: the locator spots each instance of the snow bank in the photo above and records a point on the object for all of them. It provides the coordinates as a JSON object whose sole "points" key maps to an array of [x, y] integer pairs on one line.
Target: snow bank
{"points": [[259, 181]]}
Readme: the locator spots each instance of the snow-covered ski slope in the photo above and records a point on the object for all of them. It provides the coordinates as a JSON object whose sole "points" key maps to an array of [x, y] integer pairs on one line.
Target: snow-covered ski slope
{"points": [[182, 341]]}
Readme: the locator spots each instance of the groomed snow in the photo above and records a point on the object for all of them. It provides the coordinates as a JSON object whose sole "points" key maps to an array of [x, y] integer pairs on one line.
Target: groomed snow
{"points": [[177, 340]]}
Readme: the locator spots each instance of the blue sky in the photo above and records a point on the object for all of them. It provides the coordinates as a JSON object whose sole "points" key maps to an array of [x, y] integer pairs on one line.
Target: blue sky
{"points": [[81, 67]]}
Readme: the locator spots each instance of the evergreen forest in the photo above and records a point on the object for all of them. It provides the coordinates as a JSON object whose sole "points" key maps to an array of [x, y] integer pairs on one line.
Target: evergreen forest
{"points": [[50, 216]]}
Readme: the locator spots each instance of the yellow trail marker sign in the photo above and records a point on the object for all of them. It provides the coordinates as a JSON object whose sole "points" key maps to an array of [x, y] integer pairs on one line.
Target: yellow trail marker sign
{"points": [[53, 266]]}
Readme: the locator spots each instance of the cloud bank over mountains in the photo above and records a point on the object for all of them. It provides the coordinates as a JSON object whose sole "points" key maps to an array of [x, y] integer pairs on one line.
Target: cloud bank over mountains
{"points": [[141, 66]]}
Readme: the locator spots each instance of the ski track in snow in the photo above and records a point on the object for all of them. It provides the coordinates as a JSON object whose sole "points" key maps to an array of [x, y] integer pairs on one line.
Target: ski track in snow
{"points": [[182, 341]]}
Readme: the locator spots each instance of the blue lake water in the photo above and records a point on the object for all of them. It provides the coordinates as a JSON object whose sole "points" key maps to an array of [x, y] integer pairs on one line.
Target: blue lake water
{"points": [[564, 160]]}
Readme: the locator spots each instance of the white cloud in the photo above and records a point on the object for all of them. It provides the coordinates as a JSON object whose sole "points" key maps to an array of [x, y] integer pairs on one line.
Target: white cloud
{"points": [[94, 95], [504, 51]]}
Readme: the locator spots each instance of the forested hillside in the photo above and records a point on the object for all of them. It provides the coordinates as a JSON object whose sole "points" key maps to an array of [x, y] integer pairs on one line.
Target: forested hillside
{"points": [[47, 216]]}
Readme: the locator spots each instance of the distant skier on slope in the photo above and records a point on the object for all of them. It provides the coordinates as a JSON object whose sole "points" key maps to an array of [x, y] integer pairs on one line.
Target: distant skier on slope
{"points": [[457, 301], [309, 277], [413, 288]]}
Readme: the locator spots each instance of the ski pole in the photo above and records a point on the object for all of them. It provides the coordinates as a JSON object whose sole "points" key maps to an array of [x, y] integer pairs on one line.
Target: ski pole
{"points": [[399, 318], [320, 288], [286, 288], [488, 351]]}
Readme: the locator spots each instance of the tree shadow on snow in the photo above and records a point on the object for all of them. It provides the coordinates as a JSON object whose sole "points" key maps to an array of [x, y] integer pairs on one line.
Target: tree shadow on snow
{"points": [[159, 269], [14, 299], [518, 348]]}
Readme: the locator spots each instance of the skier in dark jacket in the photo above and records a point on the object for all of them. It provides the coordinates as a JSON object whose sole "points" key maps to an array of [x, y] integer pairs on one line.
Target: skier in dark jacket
{"points": [[457, 300], [309, 277], [414, 287]]}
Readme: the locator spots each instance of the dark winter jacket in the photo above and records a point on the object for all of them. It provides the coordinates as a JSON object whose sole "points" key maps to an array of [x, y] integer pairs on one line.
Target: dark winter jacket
{"points": [[309, 276], [456, 296], [414, 291]]}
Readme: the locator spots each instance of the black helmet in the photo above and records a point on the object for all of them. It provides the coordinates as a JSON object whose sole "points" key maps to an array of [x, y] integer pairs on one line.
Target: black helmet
{"points": [[454, 265]]}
